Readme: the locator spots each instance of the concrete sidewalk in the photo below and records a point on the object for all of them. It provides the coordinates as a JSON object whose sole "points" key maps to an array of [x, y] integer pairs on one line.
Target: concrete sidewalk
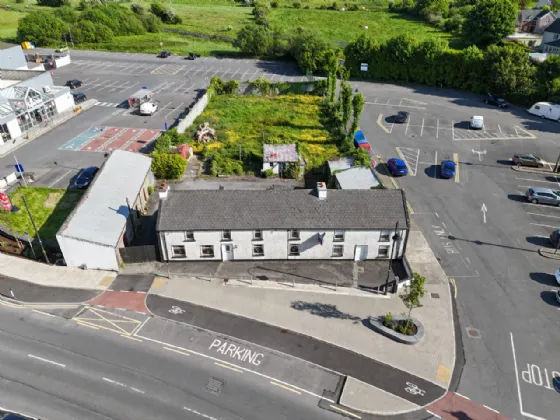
{"points": [[338, 319], [54, 276]]}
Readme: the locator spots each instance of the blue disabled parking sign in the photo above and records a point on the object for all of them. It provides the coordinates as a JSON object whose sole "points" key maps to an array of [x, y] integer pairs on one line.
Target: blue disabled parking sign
{"points": [[19, 168]]}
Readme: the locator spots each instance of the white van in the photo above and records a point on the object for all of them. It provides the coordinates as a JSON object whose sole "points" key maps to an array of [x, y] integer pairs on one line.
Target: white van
{"points": [[545, 110]]}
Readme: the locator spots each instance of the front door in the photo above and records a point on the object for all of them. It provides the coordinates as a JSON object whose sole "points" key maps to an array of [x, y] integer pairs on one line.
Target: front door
{"points": [[227, 252], [360, 253]]}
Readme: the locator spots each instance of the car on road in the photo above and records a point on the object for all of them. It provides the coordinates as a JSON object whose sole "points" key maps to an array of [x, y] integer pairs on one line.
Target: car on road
{"points": [[477, 122], [557, 275], [148, 108], [495, 100], [74, 83], [401, 117], [543, 195], [164, 54], [526, 159], [79, 97], [558, 300], [555, 237], [85, 176], [448, 169], [397, 167], [192, 56]]}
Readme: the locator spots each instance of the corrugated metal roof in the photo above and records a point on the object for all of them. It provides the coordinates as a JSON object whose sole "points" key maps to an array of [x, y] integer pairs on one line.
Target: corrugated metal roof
{"points": [[280, 153], [101, 215], [358, 178], [340, 164]]}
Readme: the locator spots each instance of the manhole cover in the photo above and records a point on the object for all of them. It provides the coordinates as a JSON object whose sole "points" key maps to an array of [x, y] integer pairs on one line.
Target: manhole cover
{"points": [[435, 295], [473, 332], [214, 386]]}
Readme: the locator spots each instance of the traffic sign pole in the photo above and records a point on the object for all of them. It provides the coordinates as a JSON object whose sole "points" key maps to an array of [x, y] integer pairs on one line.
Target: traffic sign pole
{"points": [[19, 169]]}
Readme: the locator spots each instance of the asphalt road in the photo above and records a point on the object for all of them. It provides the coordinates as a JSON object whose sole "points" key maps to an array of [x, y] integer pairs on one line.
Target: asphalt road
{"points": [[509, 318], [61, 369]]}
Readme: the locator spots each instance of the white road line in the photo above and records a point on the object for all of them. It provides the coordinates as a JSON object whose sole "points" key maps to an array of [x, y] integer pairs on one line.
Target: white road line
{"points": [[547, 226], [56, 182], [437, 128], [407, 123], [435, 166], [534, 180], [243, 75], [253, 75], [491, 409], [46, 360], [172, 111], [422, 129], [190, 410], [460, 395], [292, 79], [165, 106], [123, 385], [544, 215], [233, 75], [452, 129], [433, 414]]}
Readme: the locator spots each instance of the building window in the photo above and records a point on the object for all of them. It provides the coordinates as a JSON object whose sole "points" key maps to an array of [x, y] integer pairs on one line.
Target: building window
{"points": [[294, 251], [178, 251], [226, 235], [337, 250], [207, 251], [384, 236], [272, 165], [383, 251], [258, 250], [294, 234], [257, 235], [339, 236], [189, 235]]}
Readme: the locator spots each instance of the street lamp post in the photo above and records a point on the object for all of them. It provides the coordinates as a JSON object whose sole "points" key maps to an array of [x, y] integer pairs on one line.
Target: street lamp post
{"points": [[396, 237], [36, 231]]}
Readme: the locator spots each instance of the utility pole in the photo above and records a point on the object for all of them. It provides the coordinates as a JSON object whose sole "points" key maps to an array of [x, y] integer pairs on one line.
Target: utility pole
{"points": [[395, 239], [17, 170], [36, 231]]}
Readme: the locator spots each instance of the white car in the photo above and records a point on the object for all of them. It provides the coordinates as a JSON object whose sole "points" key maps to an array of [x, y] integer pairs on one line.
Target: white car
{"points": [[477, 122], [557, 275], [148, 108]]}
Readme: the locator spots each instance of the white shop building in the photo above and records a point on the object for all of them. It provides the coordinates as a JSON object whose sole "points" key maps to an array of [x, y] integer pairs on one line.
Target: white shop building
{"points": [[280, 224]]}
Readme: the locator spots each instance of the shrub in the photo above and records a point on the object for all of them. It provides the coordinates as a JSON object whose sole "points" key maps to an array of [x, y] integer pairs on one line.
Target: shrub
{"points": [[269, 173], [254, 40], [53, 3], [167, 15], [163, 144], [274, 4], [121, 20], [293, 170], [388, 319], [137, 8], [43, 28], [151, 22], [297, 5], [353, 8], [66, 14], [150, 189], [87, 31], [168, 166]]}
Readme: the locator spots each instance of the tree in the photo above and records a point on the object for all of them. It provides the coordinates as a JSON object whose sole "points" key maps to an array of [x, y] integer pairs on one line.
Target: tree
{"points": [[312, 52], [346, 102], [167, 15], [168, 166], [42, 28], [489, 21], [67, 14], [357, 108], [555, 5], [254, 40], [89, 32], [508, 70], [53, 3], [412, 295], [427, 7], [548, 77]]}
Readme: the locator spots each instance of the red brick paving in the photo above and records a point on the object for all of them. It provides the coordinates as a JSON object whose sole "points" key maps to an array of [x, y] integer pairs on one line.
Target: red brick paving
{"points": [[123, 138], [453, 406], [99, 140], [131, 301], [143, 139]]}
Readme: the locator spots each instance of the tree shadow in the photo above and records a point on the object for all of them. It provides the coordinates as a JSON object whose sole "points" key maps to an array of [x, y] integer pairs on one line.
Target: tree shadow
{"points": [[323, 310], [478, 242], [460, 415], [544, 278]]}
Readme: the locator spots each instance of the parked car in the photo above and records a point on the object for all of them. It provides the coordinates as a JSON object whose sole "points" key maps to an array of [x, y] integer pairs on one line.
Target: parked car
{"points": [[557, 275], [79, 97], [148, 108], [558, 300], [555, 237], [545, 110], [477, 122], [494, 100], [527, 159], [360, 140], [164, 54], [401, 117], [543, 195], [73, 84], [192, 56], [85, 176], [447, 169], [397, 167]]}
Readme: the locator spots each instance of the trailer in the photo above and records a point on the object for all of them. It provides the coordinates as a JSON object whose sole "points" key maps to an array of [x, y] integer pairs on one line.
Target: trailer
{"points": [[140, 97], [546, 110], [360, 140]]}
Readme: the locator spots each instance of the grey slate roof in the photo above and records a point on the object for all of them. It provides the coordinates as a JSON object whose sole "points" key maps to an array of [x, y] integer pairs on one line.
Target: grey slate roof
{"points": [[555, 43], [101, 214], [554, 27], [281, 209]]}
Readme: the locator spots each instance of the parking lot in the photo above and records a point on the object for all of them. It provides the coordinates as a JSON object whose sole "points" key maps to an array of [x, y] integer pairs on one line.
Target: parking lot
{"points": [[107, 139]]}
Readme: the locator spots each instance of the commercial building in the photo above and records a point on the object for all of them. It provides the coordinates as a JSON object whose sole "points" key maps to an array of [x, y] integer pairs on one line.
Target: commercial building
{"points": [[27, 97], [280, 224], [106, 217]]}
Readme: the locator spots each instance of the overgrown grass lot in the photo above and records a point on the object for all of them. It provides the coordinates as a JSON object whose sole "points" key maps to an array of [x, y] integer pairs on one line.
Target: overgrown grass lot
{"points": [[244, 123], [49, 207]]}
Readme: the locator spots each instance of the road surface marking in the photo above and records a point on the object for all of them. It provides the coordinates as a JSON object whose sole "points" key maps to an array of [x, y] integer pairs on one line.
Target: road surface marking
{"points": [[422, 129], [452, 281], [83, 324], [456, 160], [467, 398], [123, 385], [228, 367], [380, 124], [435, 164], [433, 414], [285, 387], [131, 338], [491, 409], [548, 226], [348, 413], [176, 351], [58, 179], [544, 215], [437, 128], [46, 360], [190, 410], [43, 313], [407, 123]]}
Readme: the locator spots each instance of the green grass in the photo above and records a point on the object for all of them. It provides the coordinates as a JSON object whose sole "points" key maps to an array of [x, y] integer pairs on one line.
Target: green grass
{"points": [[49, 207], [250, 120]]}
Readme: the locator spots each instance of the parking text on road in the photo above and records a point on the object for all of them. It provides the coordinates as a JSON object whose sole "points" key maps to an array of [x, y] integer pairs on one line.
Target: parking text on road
{"points": [[540, 377], [236, 352]]}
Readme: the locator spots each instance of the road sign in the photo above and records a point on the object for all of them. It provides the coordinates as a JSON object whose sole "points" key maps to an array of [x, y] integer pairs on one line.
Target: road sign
{"points": [[19, 168], [165, 125], [364, 67]]}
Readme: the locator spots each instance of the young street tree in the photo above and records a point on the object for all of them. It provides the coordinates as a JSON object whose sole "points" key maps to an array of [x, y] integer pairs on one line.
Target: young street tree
{"points": [[357, 108], [346, 102], [490, 21], [412, 295]]}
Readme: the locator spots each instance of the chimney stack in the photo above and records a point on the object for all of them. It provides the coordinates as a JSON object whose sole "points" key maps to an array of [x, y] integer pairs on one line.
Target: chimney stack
{"points": [[321, 190], [163, 191]]}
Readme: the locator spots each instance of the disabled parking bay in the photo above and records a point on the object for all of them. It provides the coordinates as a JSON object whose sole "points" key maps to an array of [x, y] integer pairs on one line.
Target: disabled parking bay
{"points": [[536, 370]]}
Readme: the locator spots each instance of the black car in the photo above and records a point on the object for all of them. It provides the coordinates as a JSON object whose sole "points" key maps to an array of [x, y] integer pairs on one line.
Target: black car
{"points": [[85, 176], [496, 101], [73, 84], [401, 117], [79, 97], [192, 56], [164, 54]]}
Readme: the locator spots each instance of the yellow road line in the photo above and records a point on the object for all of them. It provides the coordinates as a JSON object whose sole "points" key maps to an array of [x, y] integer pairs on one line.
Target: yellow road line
{"points": [[456, 160], [228, 367], [120, 321], [410, 210], [11, 305], [405, 161], [44, 313], [98, 326], [452, 281], [131, 338], [295, 391], [114, 314], [348, 413], [177, 351], [86, 325], [381, 125]]}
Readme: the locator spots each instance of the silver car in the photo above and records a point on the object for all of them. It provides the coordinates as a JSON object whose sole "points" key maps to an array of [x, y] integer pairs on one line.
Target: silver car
{"points": [[543, 195]]}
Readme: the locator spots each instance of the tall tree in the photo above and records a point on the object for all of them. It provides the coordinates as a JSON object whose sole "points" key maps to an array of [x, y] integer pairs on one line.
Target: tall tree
{"points": [[357, 108], [41, 28], [489, 21], [346, 102], [548, 77], [509, 70]]}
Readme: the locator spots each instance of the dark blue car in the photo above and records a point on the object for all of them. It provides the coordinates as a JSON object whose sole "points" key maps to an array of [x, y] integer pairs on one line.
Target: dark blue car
{"points": [[85, 177], [397, 167], [448, 169]]}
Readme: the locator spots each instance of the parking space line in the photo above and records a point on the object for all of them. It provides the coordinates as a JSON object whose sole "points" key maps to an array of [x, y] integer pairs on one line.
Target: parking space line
{"points": [[437, 128], [452, 130], [380, 124], [547, 226], [233, 75], [422, 129], [544, 215], [348, 413], [171, 112], [456, 160], [295, 391], [407, 123], [228, 367], [536, 180], [435, 165]]}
